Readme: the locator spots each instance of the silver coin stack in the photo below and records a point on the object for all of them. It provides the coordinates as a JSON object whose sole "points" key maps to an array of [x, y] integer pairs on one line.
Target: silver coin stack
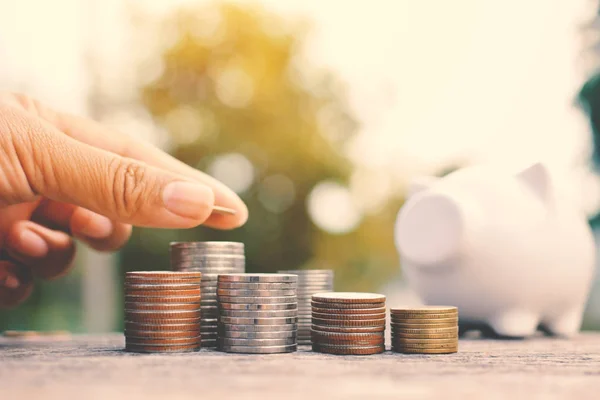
{"points": [[258, 313], [310, 281], [211, 259]]}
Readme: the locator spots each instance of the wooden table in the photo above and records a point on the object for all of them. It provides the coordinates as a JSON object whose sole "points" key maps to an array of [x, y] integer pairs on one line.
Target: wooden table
{"points": [[95, 367]]}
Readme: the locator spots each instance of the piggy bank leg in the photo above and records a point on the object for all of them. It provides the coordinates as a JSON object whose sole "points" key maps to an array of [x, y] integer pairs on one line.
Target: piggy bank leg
{"points": [[564, 324], [515, 323]]}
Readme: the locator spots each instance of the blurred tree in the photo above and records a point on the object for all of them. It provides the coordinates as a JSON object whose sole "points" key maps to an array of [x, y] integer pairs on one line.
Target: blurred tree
{"points": [[239, 101]]}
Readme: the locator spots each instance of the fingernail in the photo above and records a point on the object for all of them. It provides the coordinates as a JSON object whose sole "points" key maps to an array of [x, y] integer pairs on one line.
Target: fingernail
{"points": [[188, 199], [97, 227], [31, 244], [10, 282]]}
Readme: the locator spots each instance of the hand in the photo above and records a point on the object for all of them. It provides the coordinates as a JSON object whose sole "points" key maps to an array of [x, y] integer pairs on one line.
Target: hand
{"points": [[64, 177]]}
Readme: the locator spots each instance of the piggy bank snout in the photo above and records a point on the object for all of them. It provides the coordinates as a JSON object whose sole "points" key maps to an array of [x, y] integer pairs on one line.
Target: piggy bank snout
{"points": [[429, 229]]}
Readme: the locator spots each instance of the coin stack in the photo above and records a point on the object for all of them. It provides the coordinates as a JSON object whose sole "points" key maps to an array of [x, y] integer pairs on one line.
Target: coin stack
{"points": [[425, 330], [310, 281], [348, 323], [257, 313], [211, 259], [162, 311]]}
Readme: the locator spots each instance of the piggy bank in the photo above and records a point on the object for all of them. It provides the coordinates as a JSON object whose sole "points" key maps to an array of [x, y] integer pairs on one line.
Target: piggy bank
{"points": [[511, 251]]}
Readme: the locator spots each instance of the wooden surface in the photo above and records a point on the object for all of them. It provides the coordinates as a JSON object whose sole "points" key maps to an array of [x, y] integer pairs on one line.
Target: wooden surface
{"points": [[95, 367]]}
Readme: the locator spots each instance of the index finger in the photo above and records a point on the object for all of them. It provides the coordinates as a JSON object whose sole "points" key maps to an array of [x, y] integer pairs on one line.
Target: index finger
{"points": [[94, 134]]}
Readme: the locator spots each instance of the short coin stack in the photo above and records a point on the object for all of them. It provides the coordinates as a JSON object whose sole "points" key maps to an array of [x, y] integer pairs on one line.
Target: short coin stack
{"points": [[310, 281], [211, 259], [348, 323], [257, 313], [425, 330], [162, 311]]}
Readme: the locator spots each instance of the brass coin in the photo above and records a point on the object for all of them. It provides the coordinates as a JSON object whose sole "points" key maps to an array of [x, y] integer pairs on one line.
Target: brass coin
{"points": [[161, 334], [377, 310], [424, 310], [427, 345], [161, 349], [348, 323], [352, 306], [161, 342], [347, 317], [349, 298], [162, 275], [423, 341], [451, 335], [420, 324], [162, 293], [427, 330], [424, 319], [357, 351], [348, 329], [408, 350]]}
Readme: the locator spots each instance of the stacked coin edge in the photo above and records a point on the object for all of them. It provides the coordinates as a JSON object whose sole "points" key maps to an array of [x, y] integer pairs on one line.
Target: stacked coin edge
{"points": [[348, 323], [424, 330], [162, 311], [257, 313], [310, 281], [211, 259]]}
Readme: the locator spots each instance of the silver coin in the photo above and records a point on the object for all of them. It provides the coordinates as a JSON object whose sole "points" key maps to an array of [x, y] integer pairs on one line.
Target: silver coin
{"points": [[161, 286], [258, 278], [257, 300], [161, 314], [259, 349], [257, 286], [259, 314], [256, 328], [258, 321], [257, 293], [185, 254], [258, 307], [259, 335], [208, 244], [208, 320], [255, 342]]}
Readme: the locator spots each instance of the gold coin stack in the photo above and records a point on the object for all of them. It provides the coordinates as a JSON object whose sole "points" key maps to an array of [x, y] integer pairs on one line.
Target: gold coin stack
{"points": [[162, 311], [348, 323], [424, 330]]}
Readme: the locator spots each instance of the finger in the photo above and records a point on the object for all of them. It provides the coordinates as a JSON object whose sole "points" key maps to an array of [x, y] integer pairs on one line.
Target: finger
{"points": [[94, 229], [15, 284], [48, 254], [120, 188], [94, 134], [99, 232]]}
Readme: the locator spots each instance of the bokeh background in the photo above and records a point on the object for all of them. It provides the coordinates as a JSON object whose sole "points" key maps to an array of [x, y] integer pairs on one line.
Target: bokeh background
{"points": [[317, 113]]}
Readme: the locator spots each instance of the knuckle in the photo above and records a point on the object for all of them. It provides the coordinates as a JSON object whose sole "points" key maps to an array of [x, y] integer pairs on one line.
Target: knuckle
{"points": [[130, 187]]}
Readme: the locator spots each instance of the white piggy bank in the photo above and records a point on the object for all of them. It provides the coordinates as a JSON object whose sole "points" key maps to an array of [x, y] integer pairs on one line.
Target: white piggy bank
{"points": [[510, 251]]}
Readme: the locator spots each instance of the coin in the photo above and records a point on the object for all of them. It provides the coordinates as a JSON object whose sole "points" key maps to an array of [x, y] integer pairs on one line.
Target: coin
{"points": [[133, 292], [257, 328], [348, 317], [258, 321], [145, 314], [360, 311], [258, 286], [260, 349], [161, 349], [257, 307], [401, 334], [408, 350], [137, 306], [431, 344], [423, 310], [348, 350], [258, 278], [424, 319], [256, 293], [348, 323], [161, 334], [259, 335], [320, 304], [228, 341], [223, 210], [161, 342], [346, 329], [259, 314], [162, 275], [349, 297], [257, 300], [429, 324]]}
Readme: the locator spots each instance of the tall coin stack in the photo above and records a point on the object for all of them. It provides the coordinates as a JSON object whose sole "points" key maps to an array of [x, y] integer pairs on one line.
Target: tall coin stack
{"points": [[162, 311], [348, 323], [257, 313], [425, 330], [211, 259], [310, 281]]}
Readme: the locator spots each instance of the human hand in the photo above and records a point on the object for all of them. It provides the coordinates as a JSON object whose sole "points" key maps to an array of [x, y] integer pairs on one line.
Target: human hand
{"points": [[64, 177]]}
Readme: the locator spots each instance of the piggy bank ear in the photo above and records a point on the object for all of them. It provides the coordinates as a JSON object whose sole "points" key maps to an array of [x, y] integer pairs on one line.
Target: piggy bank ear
{"points": [[537, 178], [420, 184]]}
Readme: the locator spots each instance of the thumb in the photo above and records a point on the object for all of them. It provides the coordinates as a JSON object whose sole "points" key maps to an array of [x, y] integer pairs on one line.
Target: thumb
{"points": [[126, 190]]}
